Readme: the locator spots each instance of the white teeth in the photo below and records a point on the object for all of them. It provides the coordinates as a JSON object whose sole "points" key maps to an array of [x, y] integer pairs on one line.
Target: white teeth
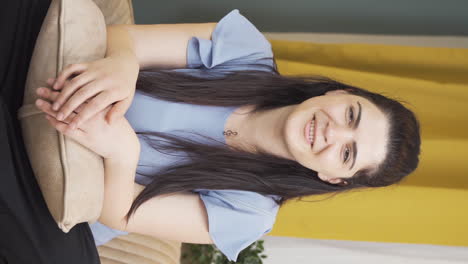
{"points": [[311, 132]]}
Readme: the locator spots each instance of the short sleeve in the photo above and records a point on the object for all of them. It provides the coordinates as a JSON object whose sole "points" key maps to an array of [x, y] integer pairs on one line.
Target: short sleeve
{"points": [[234, 40], [103, 234], [237, 218]]}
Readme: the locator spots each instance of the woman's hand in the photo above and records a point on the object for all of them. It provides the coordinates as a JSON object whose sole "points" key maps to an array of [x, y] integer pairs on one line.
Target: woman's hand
{"points": [[116, 141], [108, 80]]}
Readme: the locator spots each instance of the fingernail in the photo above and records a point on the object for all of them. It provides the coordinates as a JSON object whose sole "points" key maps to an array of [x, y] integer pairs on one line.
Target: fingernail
{"points": [[38, 102], [60, 116], [55, 106]]}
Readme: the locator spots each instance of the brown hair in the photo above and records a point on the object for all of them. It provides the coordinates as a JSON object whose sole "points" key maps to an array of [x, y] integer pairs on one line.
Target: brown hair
{"points": [[221, 167]]}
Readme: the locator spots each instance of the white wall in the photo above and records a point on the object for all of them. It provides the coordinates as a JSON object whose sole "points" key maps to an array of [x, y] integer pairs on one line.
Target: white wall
{"points": [[286, 250]]}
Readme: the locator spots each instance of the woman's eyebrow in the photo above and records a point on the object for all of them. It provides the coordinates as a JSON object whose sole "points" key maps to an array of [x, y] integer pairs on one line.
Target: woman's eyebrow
{"points": [[358, 119], [356, 124]]}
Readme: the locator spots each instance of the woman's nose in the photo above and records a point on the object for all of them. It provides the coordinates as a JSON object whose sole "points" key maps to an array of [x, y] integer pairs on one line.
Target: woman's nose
{"points": [[337, 133]]}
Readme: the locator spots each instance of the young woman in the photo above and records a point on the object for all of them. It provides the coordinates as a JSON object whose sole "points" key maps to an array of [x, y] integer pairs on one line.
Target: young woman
{"points": [[219, 140]]}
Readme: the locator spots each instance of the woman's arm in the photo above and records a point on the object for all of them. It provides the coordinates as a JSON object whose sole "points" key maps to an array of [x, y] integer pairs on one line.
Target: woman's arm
{"points": [[112, 79], [156, 46], [178, 217], [119, 177]]}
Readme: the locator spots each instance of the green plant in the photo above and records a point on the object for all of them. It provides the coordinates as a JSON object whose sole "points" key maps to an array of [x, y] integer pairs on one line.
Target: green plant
{"points": [[210, 254]]}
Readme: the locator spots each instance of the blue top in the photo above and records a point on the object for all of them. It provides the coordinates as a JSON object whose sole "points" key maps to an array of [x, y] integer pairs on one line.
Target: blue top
{"points": [[236, 218]]}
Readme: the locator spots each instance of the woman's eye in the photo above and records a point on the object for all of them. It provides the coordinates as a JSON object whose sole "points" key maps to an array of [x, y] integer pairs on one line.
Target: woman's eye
{"points": [[346, 154], [351, 115]]}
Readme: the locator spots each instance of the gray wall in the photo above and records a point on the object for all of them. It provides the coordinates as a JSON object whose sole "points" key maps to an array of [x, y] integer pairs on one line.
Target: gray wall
{"points": [[403, 17]]}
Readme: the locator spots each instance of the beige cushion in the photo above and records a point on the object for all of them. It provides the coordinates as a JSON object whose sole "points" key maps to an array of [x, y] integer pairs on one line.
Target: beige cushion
{"points": [[139, 249], [71, 177], [116, 11]]}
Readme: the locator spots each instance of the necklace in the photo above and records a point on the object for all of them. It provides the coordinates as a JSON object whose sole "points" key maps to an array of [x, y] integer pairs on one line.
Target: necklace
{"points": [[233, 118], [229, 133]]}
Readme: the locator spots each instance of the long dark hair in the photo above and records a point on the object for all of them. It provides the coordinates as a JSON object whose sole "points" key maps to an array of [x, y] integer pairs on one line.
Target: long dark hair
{"points": [[220, 167]]}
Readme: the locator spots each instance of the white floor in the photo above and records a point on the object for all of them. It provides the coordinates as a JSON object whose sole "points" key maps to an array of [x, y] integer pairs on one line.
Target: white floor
{"points": [[286, 250]]}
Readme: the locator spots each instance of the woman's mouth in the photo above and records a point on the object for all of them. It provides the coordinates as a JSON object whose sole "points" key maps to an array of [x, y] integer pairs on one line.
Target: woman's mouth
{"points": [[309, 131]]}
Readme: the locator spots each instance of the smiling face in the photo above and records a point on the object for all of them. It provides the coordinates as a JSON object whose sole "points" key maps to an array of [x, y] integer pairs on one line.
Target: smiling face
{"points": [[350, 134]]}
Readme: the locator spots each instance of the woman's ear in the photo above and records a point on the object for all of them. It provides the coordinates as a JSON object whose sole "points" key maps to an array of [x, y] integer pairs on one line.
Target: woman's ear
{"points": [[329, 179], [322, 176], [335, 181]]}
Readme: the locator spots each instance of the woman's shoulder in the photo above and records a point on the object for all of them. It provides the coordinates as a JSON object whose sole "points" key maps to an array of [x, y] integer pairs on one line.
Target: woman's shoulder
{"points": [[235, 43]]}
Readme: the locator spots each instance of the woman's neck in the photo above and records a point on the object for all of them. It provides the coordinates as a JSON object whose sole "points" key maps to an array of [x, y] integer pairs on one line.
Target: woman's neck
{"points": [[263, 130]]}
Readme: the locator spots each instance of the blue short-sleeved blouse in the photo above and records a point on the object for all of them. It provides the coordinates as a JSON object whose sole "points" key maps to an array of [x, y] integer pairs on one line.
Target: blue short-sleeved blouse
{"points": [[236, 218]]}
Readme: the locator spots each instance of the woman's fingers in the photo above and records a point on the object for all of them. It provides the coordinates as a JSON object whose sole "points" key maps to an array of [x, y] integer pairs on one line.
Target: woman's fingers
{"points": [[50, 95], [96, 105], [50, 81], [86, 92], [46, 93], [118, 110], [47, 97], [80, 108], [67, 72], [70, 87], [76, 134], [46, 107]]}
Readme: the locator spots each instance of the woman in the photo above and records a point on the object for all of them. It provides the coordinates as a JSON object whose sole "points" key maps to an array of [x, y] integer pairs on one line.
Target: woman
{"points": [[257, 138], [28, 233]]}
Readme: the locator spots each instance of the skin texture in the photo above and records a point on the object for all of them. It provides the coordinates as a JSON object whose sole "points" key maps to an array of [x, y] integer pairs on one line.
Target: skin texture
{"points": [[281, 132]]}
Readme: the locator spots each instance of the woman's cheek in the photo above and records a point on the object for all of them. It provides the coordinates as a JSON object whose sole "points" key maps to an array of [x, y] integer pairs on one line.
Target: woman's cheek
{"points": [[336, 114], [327, 161]]}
